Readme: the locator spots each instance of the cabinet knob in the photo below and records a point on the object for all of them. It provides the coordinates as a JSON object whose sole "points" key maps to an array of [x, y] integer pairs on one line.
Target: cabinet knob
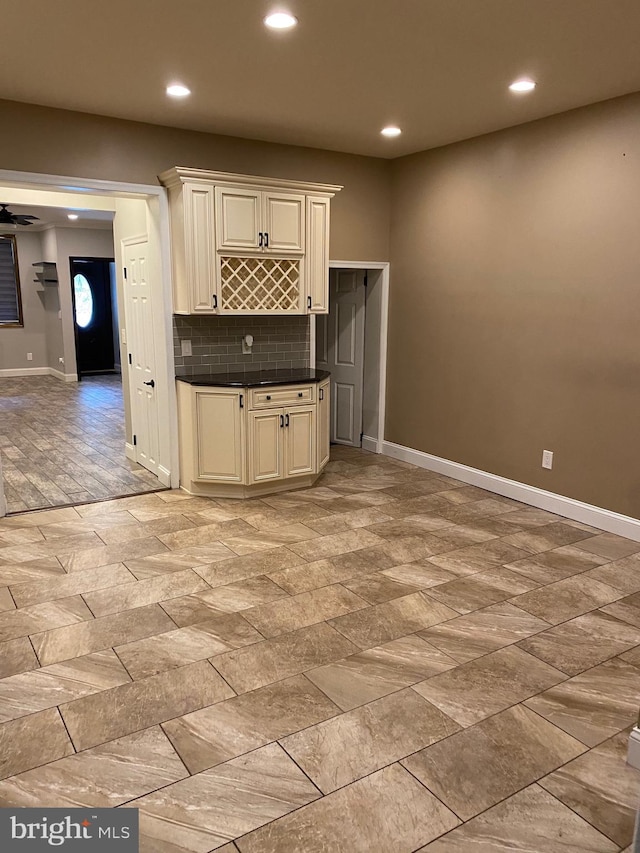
{"points": [[268, 396], [300, 394]]}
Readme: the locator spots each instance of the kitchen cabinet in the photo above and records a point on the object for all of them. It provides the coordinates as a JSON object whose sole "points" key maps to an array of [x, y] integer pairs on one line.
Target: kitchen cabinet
{"points": [[248, 245], [324, 423], [282, 443], [300, 441], [212, 434], [239, 442], [266, 461], [317, 258], [265, 222]]}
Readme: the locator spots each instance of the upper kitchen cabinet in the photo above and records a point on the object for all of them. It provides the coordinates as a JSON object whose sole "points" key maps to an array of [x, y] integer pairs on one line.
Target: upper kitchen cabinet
{"points": [[248, 245], [266, 222]]}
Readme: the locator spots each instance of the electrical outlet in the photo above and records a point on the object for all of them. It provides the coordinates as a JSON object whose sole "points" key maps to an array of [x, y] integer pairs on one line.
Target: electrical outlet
{"points": [[29, 356], [547, 459], [186, 347]]}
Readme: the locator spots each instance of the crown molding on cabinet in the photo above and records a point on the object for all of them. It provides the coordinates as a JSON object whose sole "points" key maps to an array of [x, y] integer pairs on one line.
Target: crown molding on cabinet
{"points": [[178, 174]]}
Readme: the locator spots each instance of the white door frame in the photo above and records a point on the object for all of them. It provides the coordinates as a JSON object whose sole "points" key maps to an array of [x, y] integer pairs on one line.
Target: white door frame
{"points": [[384, 325], [167, 415]]}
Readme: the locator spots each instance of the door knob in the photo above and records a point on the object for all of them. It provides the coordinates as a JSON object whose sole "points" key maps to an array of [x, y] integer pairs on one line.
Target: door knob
{"points": [[150, 382]]}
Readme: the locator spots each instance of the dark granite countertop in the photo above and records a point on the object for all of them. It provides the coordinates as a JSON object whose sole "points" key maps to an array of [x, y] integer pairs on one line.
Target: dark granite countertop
{"points": [[257, 378]]}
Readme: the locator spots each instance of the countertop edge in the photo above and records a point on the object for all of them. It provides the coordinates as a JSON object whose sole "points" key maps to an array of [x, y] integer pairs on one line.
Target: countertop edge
{"points": [[235, 381]]}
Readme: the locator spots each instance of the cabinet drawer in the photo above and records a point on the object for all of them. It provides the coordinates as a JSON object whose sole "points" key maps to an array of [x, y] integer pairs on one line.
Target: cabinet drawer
{"points": [[287, 395]]}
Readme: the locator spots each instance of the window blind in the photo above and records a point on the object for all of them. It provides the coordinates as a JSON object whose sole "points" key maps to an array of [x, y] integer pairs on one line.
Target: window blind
{"points": [[9, 298]]}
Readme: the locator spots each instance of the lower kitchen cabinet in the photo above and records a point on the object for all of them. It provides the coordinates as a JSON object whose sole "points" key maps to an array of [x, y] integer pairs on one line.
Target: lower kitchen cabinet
{"points": [[324, 423], [266, 458], [282, 443], [242, 441], [212, 434], [300, 441]]}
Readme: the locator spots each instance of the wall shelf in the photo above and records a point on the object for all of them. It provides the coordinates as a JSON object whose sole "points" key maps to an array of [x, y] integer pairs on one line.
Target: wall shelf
{"points": [[47, 274]]}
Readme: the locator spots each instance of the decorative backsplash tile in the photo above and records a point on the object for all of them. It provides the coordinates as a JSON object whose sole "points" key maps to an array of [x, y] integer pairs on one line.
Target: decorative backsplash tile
{"points": [[279, 342]]}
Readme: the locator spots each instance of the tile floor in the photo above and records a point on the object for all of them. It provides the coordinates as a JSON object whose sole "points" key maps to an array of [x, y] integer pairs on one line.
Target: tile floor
{"points": [[63, 443], [389, 662]]}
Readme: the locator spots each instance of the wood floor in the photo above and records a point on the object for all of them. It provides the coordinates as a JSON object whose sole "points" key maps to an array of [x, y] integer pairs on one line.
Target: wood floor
{"points": [[63, 443], [389, 662]]}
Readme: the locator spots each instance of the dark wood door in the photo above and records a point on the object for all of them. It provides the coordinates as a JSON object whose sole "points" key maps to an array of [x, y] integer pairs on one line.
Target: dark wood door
{"points": [[93, 314]]}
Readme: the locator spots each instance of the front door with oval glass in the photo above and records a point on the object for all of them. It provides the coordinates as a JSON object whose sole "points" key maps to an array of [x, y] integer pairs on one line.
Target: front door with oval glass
{"points": [[95, 311]]}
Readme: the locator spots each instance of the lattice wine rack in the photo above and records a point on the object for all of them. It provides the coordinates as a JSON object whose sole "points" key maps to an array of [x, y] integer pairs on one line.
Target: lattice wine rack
{"points": [[260, 284]]}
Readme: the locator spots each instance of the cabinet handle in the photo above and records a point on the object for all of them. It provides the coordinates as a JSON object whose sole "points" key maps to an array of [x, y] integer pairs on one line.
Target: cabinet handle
{"points": [[287, 420], [300, 394], [322, 393], [268, 396], [266, 239], [260, 239], [309, 303], [281, 421], [214, 299], [242, 401]]}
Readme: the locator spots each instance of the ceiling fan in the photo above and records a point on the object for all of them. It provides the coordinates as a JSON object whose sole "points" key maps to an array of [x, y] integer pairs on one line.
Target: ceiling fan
{"points": [[8, 218]]}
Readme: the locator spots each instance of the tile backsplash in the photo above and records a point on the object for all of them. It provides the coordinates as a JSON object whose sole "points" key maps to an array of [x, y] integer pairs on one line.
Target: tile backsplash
{"points": [[279, 342]]}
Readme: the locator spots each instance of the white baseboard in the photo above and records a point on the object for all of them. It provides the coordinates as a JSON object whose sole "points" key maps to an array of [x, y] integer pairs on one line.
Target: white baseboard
{"points": [[164, 475], [612, 522], [369, 443], [25, 371], [63, 377], [633, 749], [39, 371]]}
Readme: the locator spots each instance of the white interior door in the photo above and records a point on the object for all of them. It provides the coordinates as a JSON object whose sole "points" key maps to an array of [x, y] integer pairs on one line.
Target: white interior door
{"points": [[142, 356], [340, 349]]}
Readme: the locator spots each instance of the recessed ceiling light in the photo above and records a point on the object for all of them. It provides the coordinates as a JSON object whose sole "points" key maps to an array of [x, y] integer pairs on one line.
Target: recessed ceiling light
{"points": [[392, 130], [522, 86], [177, 90], [280, 21], [72, 215]]}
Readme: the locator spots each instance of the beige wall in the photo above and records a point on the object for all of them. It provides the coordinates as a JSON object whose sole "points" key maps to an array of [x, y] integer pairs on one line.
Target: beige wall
{"points": [[68, 143], [515, 303]]}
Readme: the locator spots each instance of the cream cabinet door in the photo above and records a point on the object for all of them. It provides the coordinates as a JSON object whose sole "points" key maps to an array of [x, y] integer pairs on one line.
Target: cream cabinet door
{"points": [[324, 423], [220, 441], [317, 255], [199, 264], [300, 440], [238, 218], [266, 440], [283, 222]]}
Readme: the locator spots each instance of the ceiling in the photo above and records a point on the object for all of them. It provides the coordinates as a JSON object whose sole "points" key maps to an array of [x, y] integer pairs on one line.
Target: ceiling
{"points": [[438, 68], [58, 216]]}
